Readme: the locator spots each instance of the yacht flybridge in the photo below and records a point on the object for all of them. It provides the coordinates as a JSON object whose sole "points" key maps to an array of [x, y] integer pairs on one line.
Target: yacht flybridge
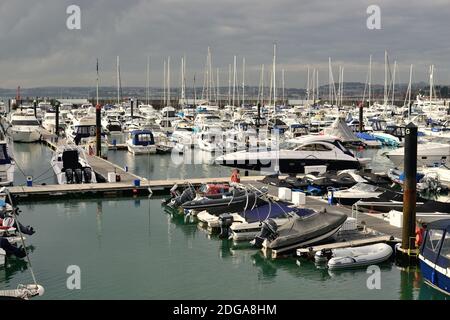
{"points": [[294, 156], [24, 127]]}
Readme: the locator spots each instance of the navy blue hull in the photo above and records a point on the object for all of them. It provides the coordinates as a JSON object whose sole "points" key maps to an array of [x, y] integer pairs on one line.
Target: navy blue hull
{"points": [[435, 278]]}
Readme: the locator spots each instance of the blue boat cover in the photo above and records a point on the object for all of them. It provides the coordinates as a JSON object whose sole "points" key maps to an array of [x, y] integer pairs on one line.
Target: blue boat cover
{"points": [[436, 244], [365, 136], [419, 176], [138, 142]]}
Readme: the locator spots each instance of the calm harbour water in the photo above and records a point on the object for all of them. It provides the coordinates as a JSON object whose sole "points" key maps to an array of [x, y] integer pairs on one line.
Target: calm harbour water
{"points": [[132, 249]]}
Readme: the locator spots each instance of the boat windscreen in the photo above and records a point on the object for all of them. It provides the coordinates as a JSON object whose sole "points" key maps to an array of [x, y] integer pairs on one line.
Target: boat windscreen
{"points": [[364, 187], [25, 122], [432, 243]]}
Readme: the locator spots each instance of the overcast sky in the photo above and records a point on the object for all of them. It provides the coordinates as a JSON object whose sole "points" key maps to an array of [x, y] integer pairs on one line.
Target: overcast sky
{"points": [[37, 49]]}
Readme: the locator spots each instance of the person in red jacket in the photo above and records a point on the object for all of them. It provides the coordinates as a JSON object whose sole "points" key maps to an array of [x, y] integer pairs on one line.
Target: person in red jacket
{"points": [[235, 176], [420, 230]]}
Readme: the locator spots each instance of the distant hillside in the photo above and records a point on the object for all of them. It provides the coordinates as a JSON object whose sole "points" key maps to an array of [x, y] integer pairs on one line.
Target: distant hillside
{"points": [[351, 89]]}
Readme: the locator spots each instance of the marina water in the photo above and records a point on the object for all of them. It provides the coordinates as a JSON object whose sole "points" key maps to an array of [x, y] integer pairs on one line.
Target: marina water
{"points": [[133, 249]]}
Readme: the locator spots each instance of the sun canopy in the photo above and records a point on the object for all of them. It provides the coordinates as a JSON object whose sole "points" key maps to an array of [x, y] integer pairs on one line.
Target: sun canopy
{"points": [[341, 130]]}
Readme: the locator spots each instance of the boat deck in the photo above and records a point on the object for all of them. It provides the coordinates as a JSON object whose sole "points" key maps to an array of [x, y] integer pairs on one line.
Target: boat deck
{"points": [[373, 223]]}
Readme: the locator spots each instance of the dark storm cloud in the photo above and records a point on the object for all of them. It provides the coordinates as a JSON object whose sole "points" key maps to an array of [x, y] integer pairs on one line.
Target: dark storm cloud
{"points": [[38, 50]]}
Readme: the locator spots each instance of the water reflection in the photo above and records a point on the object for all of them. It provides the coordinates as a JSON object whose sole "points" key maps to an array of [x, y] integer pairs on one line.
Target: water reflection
{"points": [[413, 286], [32, 159], [11, 268], [98, 218]]}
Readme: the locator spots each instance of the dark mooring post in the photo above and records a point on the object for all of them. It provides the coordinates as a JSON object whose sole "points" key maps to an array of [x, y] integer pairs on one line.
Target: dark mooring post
{"points": [[98, 125], [361, 115], [131, 105], [409, 188], [34, 107], [57, 119]]}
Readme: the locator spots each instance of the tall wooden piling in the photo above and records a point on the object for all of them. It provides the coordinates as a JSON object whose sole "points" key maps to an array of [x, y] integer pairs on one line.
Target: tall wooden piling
{"points": [[57, 119], [35, 107], [409, 188], [131, 105]]}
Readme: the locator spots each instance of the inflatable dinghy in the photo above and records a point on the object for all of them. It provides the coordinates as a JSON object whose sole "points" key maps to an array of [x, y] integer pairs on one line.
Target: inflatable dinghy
{"points": [[354, 257]]}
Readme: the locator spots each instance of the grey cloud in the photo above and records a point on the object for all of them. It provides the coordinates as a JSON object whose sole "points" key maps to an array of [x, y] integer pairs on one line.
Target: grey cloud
{"points": [[38, 50]]}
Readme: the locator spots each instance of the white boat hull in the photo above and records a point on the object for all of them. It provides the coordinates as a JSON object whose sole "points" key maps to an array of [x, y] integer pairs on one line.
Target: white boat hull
{"points": [[2, 257], [24, 135], [7, 174], [136, 150], [359, 256]]}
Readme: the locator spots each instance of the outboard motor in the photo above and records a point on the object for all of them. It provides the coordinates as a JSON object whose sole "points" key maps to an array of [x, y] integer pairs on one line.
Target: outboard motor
{"points": [[225, 222], [323, 256], [78, 176], [87, 173], [268, 230], [187, 195], [69, 175]]}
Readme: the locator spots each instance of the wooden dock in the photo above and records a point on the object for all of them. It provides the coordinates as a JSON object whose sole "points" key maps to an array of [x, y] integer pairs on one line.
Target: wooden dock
{"points": [[123, 188], [100, 166]]}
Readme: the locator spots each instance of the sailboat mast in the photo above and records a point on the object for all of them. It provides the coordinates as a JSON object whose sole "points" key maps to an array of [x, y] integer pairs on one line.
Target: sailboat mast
{"points": [[118, 80], [370, 78], [164, 83], [147, 94], [307, 86], [342, 86], [234, 82], [431, 82], [217, 88], [393, 82], [183, 89], [274, 77], [243, 81], [317, 84], [409, 90], [385, 78], [338, 98], [168, 81], [262, 85], [282, 85], [229, 84], [330, 98]]}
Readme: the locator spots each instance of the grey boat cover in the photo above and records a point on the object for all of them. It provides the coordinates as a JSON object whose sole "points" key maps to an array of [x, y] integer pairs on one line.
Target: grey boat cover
{"points": [[305, 229], [341, 130]]}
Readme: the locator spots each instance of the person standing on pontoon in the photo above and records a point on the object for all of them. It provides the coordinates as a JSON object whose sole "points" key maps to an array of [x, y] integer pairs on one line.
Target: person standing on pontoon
{"points": [[235, 176]]}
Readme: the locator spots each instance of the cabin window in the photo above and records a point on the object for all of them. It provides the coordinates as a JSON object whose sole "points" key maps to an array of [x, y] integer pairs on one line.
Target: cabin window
{"points": [[314, 147], [434, 239], [445, 251], [424, 158]]}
